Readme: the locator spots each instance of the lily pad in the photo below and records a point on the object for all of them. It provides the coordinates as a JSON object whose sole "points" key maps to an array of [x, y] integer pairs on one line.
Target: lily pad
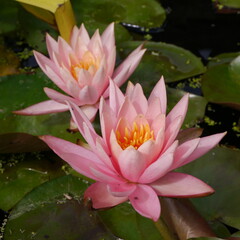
{"points": [[28, 90], [146, 13], [8, 16], [20, 173], [162, 59], [196, 107], [55, 210], [127, 224], [230, 3], [220, 168], [221, 82]]}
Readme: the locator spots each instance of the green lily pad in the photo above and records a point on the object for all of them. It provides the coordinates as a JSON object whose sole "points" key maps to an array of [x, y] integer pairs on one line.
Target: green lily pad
{"points": [[196, 107], [8, 16], [28, 90], [20, 173], [221, 82], [55, 210], [162, 59], [220, 168], [126, 223], [230, 3], [146, 13]]}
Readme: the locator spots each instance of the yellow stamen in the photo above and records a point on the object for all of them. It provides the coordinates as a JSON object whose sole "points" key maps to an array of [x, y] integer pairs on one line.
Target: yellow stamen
{"points": [[87, 62], [135, 137]]}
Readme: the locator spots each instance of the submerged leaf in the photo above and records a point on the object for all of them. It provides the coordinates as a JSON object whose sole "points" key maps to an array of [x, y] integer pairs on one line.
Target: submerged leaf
{"points": [[220, 168], [55, 210], [221, 82], [162, 59]]}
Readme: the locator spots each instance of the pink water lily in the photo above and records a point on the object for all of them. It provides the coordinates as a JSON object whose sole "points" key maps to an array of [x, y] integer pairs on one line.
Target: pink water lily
{"points": [[135, 157], [81, 69]]}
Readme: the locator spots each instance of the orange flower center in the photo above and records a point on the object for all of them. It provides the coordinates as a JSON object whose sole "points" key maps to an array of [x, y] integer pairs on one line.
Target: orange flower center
{"points": [[135, 137], [88, 62]]}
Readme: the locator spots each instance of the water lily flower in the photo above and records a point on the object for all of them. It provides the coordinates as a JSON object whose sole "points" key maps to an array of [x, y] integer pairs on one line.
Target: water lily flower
{"points": [[81, 69], [135, 157]]}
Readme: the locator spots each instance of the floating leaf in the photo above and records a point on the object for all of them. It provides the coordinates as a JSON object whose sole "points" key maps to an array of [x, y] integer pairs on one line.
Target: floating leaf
{"points": [[27, 90], [174, 63], [54, 210], [20, 173], [230, 3], [8, 16], [127, 224], [146, 13], [221, 82], [220, 168]]}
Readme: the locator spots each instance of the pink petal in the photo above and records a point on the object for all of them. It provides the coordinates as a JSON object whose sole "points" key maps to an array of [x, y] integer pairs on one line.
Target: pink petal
{"points": [[181, 185], [158, 123], [138, 99], [184, 151], [95, 45], [64, 52], [172, 131], [116, 97], [129, 89], [101, 197], [127, 111], [145, 201], [103, 154], [50, 69], [121, 189], [149, 151], [107, 120], [84, 125], [103, 174], [46, 107], [78, 157], [108, 38], [154, 109], [111, 60], [59, 97], [88, 95], [116, 150], [131, 164], [83, 35], [205, 144], [100, 81], [130, 63], [74, 37], [159, 91], [90, 111], [52, 45], [84, 78], [180, 109], [160, 167]]}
